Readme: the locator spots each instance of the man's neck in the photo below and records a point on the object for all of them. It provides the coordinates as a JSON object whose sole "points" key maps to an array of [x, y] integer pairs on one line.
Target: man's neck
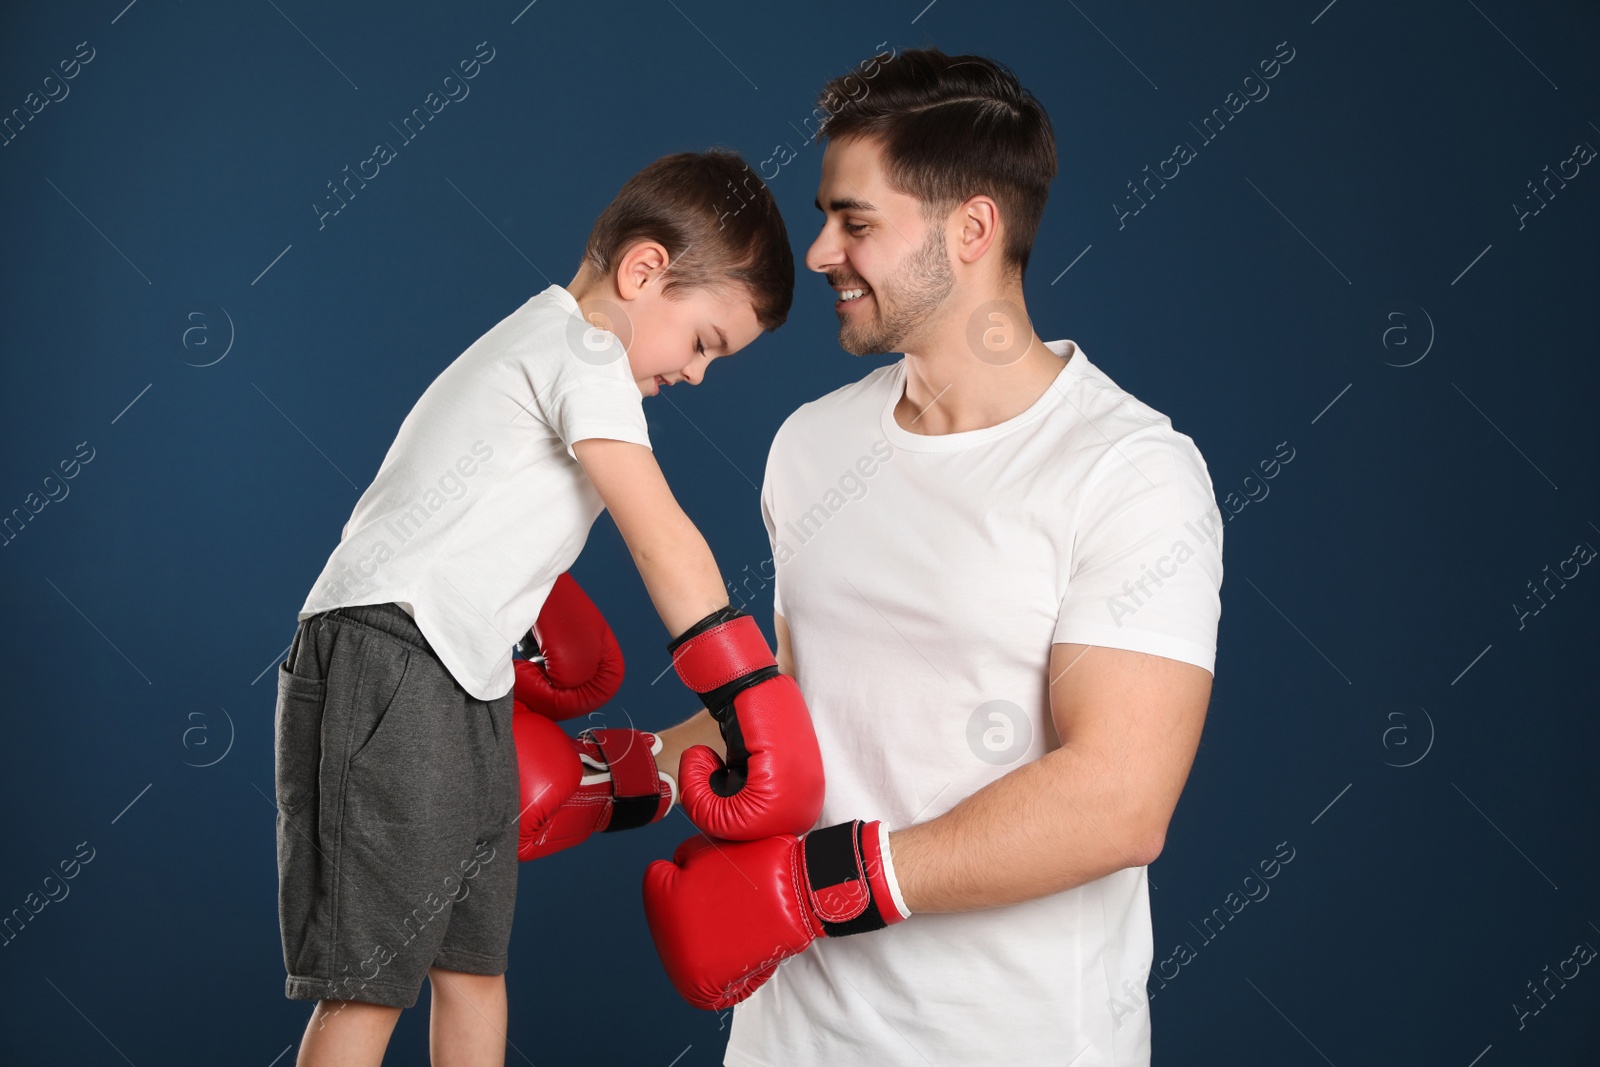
{"points": [[974, 377]]}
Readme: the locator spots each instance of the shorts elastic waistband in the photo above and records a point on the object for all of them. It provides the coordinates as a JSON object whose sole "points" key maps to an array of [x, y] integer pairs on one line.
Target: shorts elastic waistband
{"points": [[390, 618]]}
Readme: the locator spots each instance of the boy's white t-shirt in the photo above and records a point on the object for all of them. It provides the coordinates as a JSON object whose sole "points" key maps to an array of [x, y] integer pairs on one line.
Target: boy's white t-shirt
{"points": [[923, 580], [480, 503]]}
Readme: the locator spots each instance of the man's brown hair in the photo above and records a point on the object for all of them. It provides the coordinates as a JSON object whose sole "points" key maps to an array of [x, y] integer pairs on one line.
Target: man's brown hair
{"points": [[717, 221], [953, 127]]}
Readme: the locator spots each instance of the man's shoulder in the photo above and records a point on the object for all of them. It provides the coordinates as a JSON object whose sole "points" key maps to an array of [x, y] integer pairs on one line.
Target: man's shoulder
{"points": [[853, 404], [1110, 419], [1099, 396]]}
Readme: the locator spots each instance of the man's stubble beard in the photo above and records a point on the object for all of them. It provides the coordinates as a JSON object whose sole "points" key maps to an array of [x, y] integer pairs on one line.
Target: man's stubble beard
{"points": [[915, 293]]}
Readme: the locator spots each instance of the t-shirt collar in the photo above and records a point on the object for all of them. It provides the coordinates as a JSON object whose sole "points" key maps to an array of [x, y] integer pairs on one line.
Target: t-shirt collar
{"points": [[1074, 364]]}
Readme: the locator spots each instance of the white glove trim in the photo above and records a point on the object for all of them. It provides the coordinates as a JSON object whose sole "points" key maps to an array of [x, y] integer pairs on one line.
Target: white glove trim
{"points": [[888, 869]]}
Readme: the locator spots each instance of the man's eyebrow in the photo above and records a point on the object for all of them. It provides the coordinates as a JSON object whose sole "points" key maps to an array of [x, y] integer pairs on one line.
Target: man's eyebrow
{"points": [[846, 203]]}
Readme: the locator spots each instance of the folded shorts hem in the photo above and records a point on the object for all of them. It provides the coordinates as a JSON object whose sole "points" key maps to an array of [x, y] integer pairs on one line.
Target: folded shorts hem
{"points": [[471, 962], [297, 987]]}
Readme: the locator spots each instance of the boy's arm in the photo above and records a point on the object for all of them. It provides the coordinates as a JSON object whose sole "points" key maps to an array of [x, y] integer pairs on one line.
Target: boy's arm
{"points": [[746, 768], [673, 558]]}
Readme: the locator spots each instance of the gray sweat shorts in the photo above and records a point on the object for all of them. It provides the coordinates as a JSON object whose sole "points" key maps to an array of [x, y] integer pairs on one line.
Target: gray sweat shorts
{"points": [[397, 813]]}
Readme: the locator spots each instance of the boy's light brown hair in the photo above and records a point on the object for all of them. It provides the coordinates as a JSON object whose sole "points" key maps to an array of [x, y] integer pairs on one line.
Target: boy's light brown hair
{"points": [[718, 223], [953, 127]]}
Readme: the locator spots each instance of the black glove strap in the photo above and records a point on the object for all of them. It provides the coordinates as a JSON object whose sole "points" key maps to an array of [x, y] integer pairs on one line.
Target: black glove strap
{"points": [[832, 857], [720, 703], [628, 811], [716, 618]]}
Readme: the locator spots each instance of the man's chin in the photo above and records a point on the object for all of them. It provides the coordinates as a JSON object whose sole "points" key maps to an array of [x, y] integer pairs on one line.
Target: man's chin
{"points": [[864, 346]]}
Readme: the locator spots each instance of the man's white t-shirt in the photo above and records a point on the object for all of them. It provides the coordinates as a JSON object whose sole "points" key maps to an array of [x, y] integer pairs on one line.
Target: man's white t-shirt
{"points": [[923, 579], [480, 503]]}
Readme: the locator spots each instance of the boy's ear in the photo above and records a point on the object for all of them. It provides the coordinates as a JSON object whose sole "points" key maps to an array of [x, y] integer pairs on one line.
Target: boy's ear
{"points": [[641, 267]]}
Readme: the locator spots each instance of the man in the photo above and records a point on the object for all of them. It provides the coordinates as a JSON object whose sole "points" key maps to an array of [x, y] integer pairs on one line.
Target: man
{"points": [[997, 584]]}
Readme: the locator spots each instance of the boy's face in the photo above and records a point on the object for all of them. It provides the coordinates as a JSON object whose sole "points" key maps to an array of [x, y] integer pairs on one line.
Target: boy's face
{"points": [[877, 239], [675, 338]]}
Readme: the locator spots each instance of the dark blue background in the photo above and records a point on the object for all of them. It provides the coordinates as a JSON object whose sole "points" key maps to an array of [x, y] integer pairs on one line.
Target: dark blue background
{"points": [[146, 609]]}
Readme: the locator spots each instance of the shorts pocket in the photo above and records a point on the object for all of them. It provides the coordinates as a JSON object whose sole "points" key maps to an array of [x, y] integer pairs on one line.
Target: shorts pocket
{"points": [[297, 730], [389, 682]]}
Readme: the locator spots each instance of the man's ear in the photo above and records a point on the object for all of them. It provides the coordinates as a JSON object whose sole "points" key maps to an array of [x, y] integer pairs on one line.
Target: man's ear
{"points": [[980, 227], [640, 268]]}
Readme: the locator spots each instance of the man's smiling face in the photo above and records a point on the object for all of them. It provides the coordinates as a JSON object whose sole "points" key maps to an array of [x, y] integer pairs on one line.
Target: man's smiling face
{"points": [[877, 240]]}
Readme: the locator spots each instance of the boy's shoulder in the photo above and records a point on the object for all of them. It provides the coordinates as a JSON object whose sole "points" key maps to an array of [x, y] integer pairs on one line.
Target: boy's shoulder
{"points": [[545, 317], [546, 343], [545, 323]]}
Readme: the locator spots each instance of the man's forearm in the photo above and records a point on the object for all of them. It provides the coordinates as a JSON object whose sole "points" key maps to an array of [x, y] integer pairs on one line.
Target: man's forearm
{"points": [[1058, 822], [700, 729]]}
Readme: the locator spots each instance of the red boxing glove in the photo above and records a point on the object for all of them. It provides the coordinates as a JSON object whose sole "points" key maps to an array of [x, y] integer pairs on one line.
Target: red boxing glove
{"points": [[772, 781], [603, 780], [579, 663], [724, 914]]}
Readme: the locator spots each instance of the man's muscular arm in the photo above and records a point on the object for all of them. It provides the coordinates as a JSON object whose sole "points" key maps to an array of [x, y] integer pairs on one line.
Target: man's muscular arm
{"points": [[722, 916], [1129, 725]]}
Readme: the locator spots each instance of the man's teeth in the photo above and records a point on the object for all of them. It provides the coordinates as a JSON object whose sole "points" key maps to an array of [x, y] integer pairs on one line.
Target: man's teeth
{"points": [[851, 294]]}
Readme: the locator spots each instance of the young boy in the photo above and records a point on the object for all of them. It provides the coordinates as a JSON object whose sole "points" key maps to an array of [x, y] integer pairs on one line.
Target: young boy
{"points": [[397, 774]]}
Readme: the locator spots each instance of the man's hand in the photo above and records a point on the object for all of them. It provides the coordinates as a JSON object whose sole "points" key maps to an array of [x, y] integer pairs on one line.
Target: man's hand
{"points": [[724, 914]]}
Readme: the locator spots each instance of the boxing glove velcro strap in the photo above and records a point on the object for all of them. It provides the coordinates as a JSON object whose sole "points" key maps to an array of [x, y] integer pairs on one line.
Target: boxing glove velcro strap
{"points": [[711, 659], [845, 877], [636, 781]]}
